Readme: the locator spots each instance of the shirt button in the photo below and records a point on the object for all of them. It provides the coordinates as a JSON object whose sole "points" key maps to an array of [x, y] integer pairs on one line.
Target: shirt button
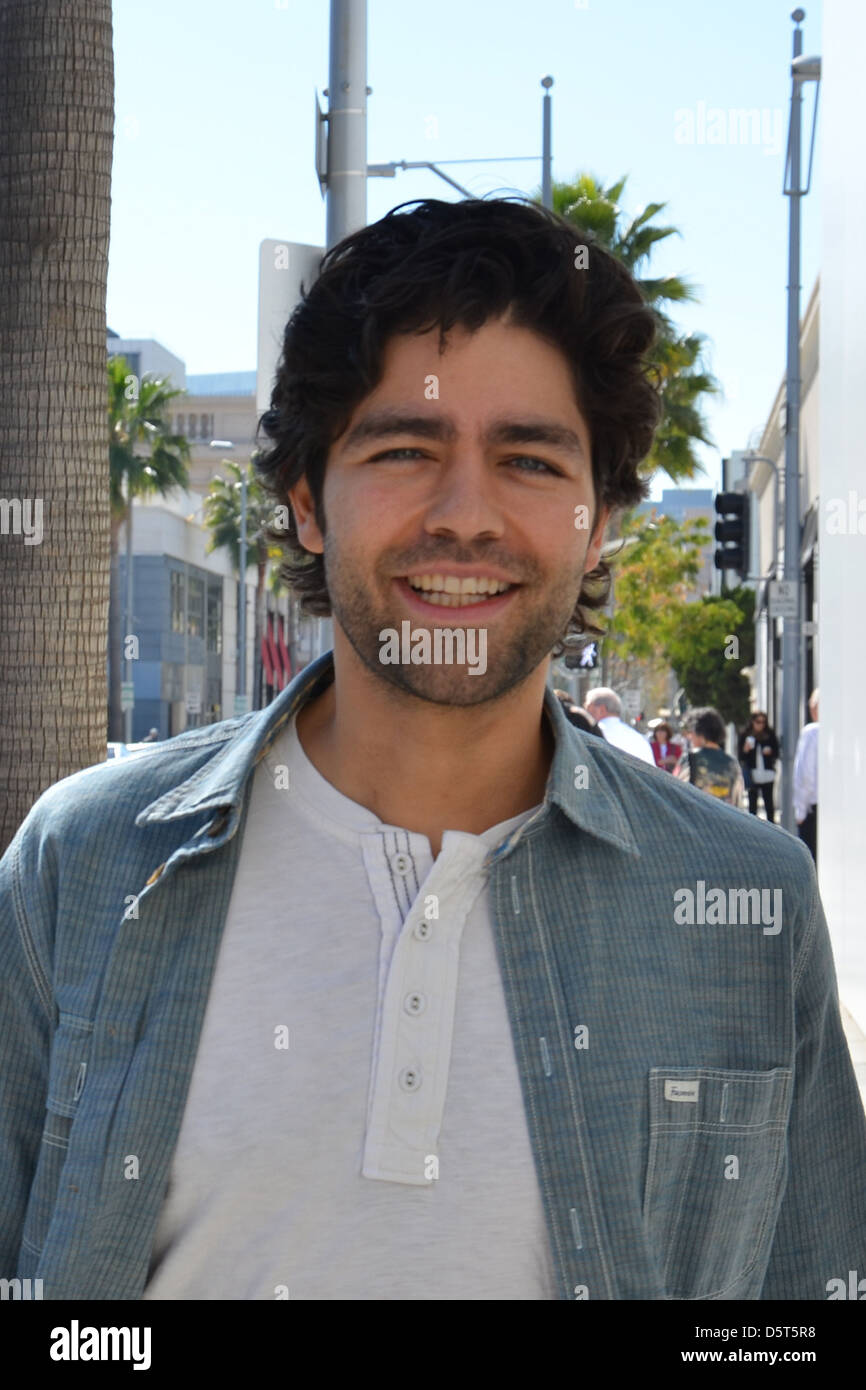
{"points": [[422, 931], [401, 864], [415, 1003], [410, 1078]]}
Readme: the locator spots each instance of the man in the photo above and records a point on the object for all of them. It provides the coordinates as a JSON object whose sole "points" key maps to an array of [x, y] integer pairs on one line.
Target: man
{"points": [[707, 765], [806, 780], [577, 716], [403, 987], [605, 707]]}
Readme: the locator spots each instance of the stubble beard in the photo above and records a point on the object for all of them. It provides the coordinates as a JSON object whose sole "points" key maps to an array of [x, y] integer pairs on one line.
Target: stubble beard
{"points": [[516, 645]]}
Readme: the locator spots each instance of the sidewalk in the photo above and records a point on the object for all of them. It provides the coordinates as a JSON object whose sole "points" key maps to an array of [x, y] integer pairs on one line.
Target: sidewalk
{"points": [[857, 1044]]}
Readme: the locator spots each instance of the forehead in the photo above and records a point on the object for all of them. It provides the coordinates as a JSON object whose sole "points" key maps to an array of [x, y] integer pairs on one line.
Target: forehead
{"points": [[478, 375]]}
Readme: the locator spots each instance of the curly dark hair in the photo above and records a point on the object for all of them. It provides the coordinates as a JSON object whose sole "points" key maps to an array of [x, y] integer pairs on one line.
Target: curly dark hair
{"points": [[452, 264], [708, 723]]}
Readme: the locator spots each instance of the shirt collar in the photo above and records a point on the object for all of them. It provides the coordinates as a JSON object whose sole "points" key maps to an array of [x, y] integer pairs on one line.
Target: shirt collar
{"points": [[594, 805]]}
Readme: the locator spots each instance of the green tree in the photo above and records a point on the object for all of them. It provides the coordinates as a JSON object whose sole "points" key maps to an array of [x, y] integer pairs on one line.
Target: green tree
{"points": [[712, 641], [222, 514], [145, 458], [655, 562], [656, 568], [676, 358]]}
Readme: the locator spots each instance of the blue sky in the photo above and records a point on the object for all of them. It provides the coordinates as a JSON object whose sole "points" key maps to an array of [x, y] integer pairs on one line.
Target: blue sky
{"points": [[214, 152]]}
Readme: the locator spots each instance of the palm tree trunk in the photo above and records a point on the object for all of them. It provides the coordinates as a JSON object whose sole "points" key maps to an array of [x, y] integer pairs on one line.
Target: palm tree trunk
{"points": [[56, 115]]}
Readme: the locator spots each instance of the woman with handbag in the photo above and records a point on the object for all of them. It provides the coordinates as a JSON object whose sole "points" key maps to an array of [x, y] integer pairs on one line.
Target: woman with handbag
{"points": [[759, 751]]}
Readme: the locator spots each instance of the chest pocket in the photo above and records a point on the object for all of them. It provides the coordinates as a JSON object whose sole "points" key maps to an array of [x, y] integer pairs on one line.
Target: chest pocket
{"points": [[67, 1075], [715, 1174]]}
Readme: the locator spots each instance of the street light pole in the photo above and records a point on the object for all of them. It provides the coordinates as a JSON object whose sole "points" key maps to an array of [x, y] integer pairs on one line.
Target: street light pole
{"points": [[346, 183], [546, 147], [242, 617], [802, 70], [128, 676], [347, 120]]}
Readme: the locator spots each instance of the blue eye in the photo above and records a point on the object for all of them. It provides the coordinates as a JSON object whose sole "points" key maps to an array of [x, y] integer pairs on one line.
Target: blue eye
{"points": [[395, 453], [518, 458], [530, 458]]}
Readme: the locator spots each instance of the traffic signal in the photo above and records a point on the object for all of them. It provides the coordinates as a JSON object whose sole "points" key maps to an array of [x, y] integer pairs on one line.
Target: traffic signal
{"points": [[733, 532], [583, 658]]}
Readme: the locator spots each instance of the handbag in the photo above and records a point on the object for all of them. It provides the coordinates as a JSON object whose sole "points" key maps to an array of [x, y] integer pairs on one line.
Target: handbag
{"points": [[761, 774]]}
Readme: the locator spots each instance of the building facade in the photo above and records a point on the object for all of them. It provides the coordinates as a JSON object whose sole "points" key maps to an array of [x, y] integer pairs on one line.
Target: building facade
{"points": [[184, 626]]}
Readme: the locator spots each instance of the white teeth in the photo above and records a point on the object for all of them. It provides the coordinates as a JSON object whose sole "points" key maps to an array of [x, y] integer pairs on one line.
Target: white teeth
{"points": [[451, 586], [444, 600]]}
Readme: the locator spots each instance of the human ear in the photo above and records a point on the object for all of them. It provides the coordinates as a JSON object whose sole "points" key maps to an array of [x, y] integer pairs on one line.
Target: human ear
{"points": [[309, 534]]}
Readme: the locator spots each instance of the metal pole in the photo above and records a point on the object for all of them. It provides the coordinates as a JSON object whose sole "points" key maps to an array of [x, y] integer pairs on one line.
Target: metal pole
{"points": [[347, 120], [127, 672], [791, 626], [546, 147], [242, 581], [347, 149]]}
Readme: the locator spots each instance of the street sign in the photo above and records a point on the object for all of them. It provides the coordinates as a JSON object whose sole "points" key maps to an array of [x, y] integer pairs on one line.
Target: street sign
{"points": [[127, 695], [283, 265], [631, 701], [782, 598], [193, 702], [241, 705]]}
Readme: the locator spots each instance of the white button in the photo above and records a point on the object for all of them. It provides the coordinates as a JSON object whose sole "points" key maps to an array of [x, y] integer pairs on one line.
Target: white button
{"points": [[415, 1003], [422, 931], [410, 1078], [401, 864]]}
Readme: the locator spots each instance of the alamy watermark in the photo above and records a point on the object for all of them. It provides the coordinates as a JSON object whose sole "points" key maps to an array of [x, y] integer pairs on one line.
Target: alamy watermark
{"points": [[77, 1343], [20, 1289], [715, 907], [22, 516], [444, 646], [733, 125]]}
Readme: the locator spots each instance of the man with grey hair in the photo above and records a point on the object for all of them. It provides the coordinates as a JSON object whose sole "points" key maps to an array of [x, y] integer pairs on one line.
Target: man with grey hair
{"points": [[605, 706], [806, 780]]}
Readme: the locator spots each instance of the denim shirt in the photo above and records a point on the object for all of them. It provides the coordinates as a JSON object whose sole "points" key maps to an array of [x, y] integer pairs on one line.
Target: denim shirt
{"points": [[695, 1122]]}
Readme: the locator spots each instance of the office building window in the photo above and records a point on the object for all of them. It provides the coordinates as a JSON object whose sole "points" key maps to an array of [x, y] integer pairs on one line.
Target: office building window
{"points": [[178, 601], [195, 618]]}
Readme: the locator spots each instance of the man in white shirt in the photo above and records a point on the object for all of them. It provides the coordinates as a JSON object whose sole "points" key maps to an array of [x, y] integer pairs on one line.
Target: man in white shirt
{"points": [[806, 780], [605, 707]]}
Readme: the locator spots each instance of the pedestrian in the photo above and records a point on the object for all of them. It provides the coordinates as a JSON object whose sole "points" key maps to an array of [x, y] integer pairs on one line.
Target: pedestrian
{"points": [[759, 751], [707, 765], [576, 715], [605, 706], [666, 750], [806, 780], [400, 988]]}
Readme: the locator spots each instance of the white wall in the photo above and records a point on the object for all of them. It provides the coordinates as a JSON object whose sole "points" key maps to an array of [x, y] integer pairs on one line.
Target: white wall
{"points": [[842, 576]]}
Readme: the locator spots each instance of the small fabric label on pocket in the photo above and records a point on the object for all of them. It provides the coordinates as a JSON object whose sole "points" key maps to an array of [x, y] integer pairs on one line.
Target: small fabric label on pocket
{"points": [[681, 1090]]}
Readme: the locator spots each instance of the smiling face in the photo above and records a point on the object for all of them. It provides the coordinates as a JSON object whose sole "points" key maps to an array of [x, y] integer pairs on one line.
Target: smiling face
{"points": [[470, 510]]}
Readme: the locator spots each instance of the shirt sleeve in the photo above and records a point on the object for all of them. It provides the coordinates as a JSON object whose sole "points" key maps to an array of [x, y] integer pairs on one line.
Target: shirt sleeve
{"points": [[821, 1231], [806, 773], [26, 1026]]}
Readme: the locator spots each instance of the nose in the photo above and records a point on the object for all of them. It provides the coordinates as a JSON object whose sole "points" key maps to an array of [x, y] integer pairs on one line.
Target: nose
{"points": [[465, 506]]}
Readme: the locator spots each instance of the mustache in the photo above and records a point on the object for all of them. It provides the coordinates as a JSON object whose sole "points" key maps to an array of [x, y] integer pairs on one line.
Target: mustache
{"points": [[422, 558]]}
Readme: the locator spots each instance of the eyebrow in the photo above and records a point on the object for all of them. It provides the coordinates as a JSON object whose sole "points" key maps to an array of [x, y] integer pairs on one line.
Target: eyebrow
{"points": [[385, 424]]}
